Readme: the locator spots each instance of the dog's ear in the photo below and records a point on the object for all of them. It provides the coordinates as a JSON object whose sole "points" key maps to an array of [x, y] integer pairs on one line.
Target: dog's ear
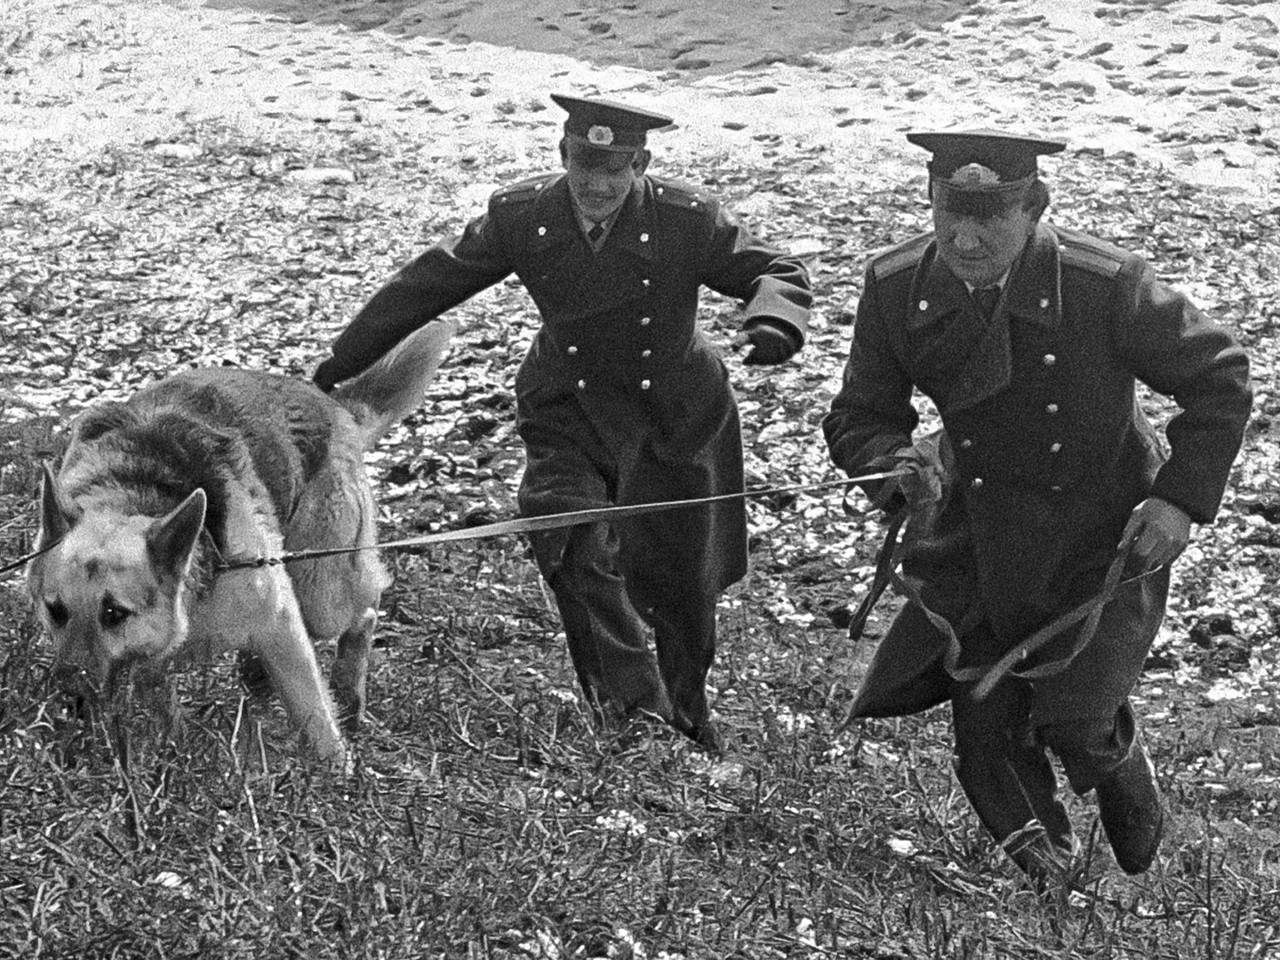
{"points": [[171, 541], [55, 518]]}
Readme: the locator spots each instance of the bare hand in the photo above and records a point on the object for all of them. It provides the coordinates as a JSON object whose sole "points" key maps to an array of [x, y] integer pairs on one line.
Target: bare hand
{"points": [[1158, 532]]}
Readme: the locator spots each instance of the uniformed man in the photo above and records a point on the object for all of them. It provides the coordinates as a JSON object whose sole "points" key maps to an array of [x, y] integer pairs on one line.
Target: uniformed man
{"points": [[621, 398], [1029, 339]]}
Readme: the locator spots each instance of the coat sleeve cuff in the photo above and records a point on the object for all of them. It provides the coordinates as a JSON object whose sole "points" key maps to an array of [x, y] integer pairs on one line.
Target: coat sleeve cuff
{"points": [[776, 300]]}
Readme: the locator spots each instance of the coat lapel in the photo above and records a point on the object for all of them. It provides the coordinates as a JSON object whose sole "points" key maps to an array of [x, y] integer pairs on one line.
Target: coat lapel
{"points": [[939, 299], [576, 281], [1034, 293], [972, 349], [554, 224], [633, 234]]}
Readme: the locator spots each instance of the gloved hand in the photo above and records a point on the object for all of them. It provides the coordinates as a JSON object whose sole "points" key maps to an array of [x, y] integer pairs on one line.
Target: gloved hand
{"points": [[1158, 531], [771, 341], [923, 484], [322, 378]]}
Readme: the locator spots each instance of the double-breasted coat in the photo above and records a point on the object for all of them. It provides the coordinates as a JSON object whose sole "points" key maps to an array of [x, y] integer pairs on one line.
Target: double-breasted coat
{"points": [[1052, 449], [621, 397]]}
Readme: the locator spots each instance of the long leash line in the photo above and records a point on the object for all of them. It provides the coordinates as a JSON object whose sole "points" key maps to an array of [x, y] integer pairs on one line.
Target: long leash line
{"points": [[551, 521], [23, 561]]}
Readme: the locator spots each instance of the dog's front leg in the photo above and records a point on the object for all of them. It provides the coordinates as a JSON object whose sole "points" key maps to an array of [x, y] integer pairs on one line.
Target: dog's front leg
{"points": [[290, 660], [291, 663]]}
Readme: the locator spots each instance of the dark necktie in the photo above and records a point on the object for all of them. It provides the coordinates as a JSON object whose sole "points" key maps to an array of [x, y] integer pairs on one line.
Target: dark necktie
{"points": [[986, 300], [595, 233]]}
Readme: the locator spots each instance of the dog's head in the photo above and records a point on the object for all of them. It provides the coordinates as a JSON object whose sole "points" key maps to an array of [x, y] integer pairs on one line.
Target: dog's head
{"points": [[110, 589]]}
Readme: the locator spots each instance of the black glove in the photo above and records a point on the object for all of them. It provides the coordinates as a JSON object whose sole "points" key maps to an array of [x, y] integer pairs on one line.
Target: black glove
{"points": [[323, 377], [923, 487], [771, 341]]}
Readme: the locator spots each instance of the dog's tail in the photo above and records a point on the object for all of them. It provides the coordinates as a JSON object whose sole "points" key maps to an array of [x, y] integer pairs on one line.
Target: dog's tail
{"points": [[392, 388]]}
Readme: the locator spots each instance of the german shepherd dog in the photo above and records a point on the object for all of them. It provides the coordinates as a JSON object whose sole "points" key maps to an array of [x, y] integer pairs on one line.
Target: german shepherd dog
{"points": [[215, 464]]}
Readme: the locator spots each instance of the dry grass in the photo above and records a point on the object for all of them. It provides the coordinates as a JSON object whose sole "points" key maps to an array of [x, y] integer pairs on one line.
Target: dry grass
{"points": [[487, 819]]}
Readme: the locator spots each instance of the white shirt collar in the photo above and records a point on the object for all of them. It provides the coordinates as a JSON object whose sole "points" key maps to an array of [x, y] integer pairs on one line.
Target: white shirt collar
{"points": [[999, 283]]}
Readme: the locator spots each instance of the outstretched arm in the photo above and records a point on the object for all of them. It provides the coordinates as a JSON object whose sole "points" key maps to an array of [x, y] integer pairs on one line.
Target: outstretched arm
{"points": [[444, 276], [773, 285]]}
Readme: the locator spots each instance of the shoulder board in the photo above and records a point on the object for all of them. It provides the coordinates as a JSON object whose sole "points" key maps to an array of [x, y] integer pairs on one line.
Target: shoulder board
{"points": [[676, 194], [524, 190], [902, 257], [1090, 254]]}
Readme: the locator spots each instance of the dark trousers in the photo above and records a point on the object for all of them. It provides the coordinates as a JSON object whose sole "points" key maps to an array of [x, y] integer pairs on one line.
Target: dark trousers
{"points": [[1003, 765], [1082, 715], [608, 634]]}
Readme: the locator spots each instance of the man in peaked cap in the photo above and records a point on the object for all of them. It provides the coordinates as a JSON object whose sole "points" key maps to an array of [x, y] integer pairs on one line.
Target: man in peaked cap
{"points": [[1030, 339], [621, 398]]}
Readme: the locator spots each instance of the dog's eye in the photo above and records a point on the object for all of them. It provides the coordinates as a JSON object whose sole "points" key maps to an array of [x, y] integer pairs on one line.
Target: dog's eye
{"points": [[58, 613], [112, 614]]}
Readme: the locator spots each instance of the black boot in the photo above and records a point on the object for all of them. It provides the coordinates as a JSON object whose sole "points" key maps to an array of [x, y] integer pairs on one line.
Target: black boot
{"points": [[1131, 811]]}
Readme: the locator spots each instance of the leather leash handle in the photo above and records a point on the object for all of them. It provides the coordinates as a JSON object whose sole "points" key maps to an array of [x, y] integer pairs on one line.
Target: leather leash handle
{"points": [[886, 560], [1090, 611]]}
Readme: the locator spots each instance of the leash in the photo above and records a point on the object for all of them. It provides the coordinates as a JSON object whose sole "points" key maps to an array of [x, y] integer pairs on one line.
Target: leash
{"points": [[886, 560], [552, 521], [23, 561], [988, 675], [539, 524]]}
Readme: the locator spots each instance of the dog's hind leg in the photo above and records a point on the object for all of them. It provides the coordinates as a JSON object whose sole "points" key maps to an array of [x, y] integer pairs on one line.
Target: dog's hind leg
{"points": [[351, 668]]}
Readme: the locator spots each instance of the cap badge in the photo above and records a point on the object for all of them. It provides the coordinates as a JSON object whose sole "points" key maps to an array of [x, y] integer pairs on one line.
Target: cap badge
{"points": [[600, 135], [974, 175]]}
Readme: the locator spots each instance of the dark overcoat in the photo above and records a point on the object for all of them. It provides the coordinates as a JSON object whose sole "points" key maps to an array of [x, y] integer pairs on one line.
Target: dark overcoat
{"points": [[1052, 449], [621, 397]]}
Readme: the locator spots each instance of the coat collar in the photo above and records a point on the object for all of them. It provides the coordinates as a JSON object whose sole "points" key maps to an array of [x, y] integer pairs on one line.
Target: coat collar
{"points": [[1033, 292], [556, 223], [553, 221]]}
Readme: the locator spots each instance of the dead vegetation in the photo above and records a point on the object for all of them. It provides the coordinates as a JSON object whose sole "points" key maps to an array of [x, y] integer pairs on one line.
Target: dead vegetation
{"points": [[486, 819]]}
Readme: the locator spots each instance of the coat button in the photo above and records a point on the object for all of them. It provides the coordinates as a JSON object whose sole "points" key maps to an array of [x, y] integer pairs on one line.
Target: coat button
{"points": [[966, 443], [976, 483], [644, 384], [1055, 448], [1050, 359], [542, 231], [1044, 303], [661, 190], [924, 305], [1051, 408], [645, 321], [646, 354], [572, 350], [644, 238], [582, 384]]}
